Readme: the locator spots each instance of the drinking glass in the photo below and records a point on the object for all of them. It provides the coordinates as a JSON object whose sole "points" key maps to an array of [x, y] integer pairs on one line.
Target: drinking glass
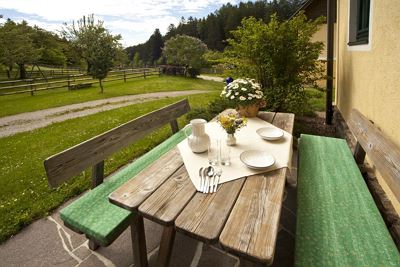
{"points": [[214, 152], [225, 152]]}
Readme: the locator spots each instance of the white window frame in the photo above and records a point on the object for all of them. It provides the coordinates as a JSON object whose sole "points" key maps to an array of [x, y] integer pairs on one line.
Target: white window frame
{"points": [[351, 28]]}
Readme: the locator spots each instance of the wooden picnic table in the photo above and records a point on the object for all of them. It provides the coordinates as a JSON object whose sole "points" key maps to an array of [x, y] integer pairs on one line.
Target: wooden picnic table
{"points": [[242, 216]]}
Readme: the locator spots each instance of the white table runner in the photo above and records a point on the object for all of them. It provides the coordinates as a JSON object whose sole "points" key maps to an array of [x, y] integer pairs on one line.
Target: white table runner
{"points": [[247, 139]]}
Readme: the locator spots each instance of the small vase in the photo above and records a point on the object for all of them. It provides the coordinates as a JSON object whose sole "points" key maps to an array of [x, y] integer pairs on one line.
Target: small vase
{"points": [[249, 111], [231, 139]]}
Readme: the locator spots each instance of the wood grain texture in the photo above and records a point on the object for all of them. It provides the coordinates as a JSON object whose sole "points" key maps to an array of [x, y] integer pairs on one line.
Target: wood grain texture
{"points": [[252, 226], [205, 215], [72, 161], [165, 204], [384, 154], [97, 174], [131, 194]]}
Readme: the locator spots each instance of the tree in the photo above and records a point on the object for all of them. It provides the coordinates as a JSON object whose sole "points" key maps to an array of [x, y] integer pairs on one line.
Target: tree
{"points": [[136, 59], [83, 36], [279, 55], [155, 43], [185, 51], [101, 55], [17, 47], [121, 58]]}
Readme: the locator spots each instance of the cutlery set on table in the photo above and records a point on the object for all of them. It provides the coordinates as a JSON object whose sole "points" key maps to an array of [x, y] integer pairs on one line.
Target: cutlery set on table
{"points": [[209, 179]]}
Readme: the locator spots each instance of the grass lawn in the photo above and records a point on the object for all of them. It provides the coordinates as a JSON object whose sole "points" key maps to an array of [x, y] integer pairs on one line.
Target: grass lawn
{"points": [[24, 193], [14, 104]]}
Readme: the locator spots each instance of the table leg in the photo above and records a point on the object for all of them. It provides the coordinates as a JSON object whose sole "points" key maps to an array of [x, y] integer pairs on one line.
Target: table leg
{"points": [[138, 241], [247, 263], [166, 245]]}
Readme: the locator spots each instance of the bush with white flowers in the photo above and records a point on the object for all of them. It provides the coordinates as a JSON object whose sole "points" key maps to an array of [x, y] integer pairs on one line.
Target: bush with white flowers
{"points": [[243, 92]]}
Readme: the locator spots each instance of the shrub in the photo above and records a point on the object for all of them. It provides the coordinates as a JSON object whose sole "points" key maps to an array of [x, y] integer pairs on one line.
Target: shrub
{"points": [[279, 55]]}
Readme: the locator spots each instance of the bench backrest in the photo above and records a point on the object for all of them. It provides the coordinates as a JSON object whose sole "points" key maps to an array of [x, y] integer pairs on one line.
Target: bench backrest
{"points": [[384, 154], [91, 153]]}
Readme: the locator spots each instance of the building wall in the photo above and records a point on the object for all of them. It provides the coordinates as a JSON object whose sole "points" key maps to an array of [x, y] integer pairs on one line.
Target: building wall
{"points": [[368, 76]]}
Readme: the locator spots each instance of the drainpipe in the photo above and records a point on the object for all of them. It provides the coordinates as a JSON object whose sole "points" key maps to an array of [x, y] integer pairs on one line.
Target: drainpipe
{"points": [[329, 81]]}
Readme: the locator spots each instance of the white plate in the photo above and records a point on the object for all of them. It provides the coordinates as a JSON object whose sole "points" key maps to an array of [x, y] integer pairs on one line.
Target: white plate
{"points": [[256, 159], [270, 133]]}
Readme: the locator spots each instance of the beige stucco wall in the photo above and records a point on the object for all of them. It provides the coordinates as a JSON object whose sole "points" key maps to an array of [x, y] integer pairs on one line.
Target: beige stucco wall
{"points": [[370, 80]]}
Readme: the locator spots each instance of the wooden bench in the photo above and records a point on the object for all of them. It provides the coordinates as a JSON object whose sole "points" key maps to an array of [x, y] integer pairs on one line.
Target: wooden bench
{"points": [[79, 85], [92, 214], [338, 223]]}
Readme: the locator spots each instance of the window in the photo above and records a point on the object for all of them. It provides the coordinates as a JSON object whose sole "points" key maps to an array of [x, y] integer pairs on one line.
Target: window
{"points": [[359, 22]]}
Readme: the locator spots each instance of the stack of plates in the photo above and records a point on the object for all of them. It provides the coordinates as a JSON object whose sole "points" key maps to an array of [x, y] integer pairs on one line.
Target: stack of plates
{"points": [[270, 133], [256, 159]]}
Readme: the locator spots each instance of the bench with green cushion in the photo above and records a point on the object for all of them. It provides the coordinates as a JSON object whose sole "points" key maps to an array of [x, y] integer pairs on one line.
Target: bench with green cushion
{"points": [[338, 223], [94, 215]]}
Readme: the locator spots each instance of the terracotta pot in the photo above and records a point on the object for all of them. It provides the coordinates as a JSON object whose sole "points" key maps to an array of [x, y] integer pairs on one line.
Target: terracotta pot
{"points": [[248, 111]]}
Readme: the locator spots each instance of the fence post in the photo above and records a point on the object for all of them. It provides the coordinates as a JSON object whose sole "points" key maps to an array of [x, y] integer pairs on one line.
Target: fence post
{"points": [[69, 82], [159, 71], [31, 82], [124, 77], [144, 73]]}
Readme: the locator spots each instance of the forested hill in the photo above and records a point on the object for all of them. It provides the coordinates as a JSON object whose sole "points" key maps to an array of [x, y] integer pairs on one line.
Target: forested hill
{"points": [[214, 29]]}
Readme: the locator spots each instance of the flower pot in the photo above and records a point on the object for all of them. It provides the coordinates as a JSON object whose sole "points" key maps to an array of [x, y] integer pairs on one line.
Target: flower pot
{"points": [[248, 111]]}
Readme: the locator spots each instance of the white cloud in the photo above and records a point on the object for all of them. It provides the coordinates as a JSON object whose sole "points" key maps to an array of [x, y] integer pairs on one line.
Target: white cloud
{"points": [[133, 19]]}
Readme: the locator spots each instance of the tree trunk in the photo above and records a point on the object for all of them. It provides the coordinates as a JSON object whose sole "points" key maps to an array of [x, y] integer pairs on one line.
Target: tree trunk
{"points": [[101, 86], [22, 71]]}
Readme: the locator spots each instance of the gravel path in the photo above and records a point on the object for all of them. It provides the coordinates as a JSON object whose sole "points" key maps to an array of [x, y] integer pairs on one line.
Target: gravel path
{"points": [[211, 78], [28, 121]]}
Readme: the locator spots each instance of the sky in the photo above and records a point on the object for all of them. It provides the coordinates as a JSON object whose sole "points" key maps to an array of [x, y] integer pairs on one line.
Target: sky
{"points": [[135, 20]]}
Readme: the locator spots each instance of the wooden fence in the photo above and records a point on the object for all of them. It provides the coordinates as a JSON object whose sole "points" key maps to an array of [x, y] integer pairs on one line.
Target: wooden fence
{"points": [[70, 82]]}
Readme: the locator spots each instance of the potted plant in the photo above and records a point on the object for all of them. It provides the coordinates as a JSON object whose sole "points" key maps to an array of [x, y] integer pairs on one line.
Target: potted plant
{"points": [[246, 94]]}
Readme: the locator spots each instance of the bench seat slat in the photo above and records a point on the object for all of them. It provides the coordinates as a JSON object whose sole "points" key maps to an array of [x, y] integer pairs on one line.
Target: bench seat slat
{"points": [[93, 214], [338, 223]]}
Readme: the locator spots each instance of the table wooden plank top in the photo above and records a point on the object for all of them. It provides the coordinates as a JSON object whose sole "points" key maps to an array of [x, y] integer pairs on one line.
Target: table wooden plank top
{"points": [[164, 205], [206, 214], [243, 215], [131, 194], [252, 227]]}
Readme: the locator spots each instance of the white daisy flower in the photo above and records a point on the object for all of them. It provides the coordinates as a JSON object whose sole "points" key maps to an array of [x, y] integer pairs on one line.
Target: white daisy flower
{"points": [[236, 93], [249, 98], [244, 89], [232, 97], [242, 98]]}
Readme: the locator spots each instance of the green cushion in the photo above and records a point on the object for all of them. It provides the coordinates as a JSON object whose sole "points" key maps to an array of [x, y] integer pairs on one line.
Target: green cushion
{"points": [[93, 215], [338, 223]]}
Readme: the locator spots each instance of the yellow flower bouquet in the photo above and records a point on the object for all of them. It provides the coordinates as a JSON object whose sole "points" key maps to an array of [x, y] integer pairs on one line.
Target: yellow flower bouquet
{"points": [[231, 122]]}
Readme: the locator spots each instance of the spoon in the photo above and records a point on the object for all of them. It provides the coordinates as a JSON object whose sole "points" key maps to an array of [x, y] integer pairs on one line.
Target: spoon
{"points": [[209, 172]]}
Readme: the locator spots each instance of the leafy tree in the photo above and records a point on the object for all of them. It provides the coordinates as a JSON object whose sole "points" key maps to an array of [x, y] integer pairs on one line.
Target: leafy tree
{"points": [[17, 47], [121, 58], [50, 45], [101, 56], [136, 60], [83, 36], [185, 51], [280, 55]]}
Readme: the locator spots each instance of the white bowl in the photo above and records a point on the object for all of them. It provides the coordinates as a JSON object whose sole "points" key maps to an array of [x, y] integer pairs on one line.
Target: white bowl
{"points": [[270, 133], [257, 159]]}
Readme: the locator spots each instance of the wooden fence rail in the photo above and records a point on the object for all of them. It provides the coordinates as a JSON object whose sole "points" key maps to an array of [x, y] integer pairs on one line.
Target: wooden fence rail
{"points": [[71, 81]]}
